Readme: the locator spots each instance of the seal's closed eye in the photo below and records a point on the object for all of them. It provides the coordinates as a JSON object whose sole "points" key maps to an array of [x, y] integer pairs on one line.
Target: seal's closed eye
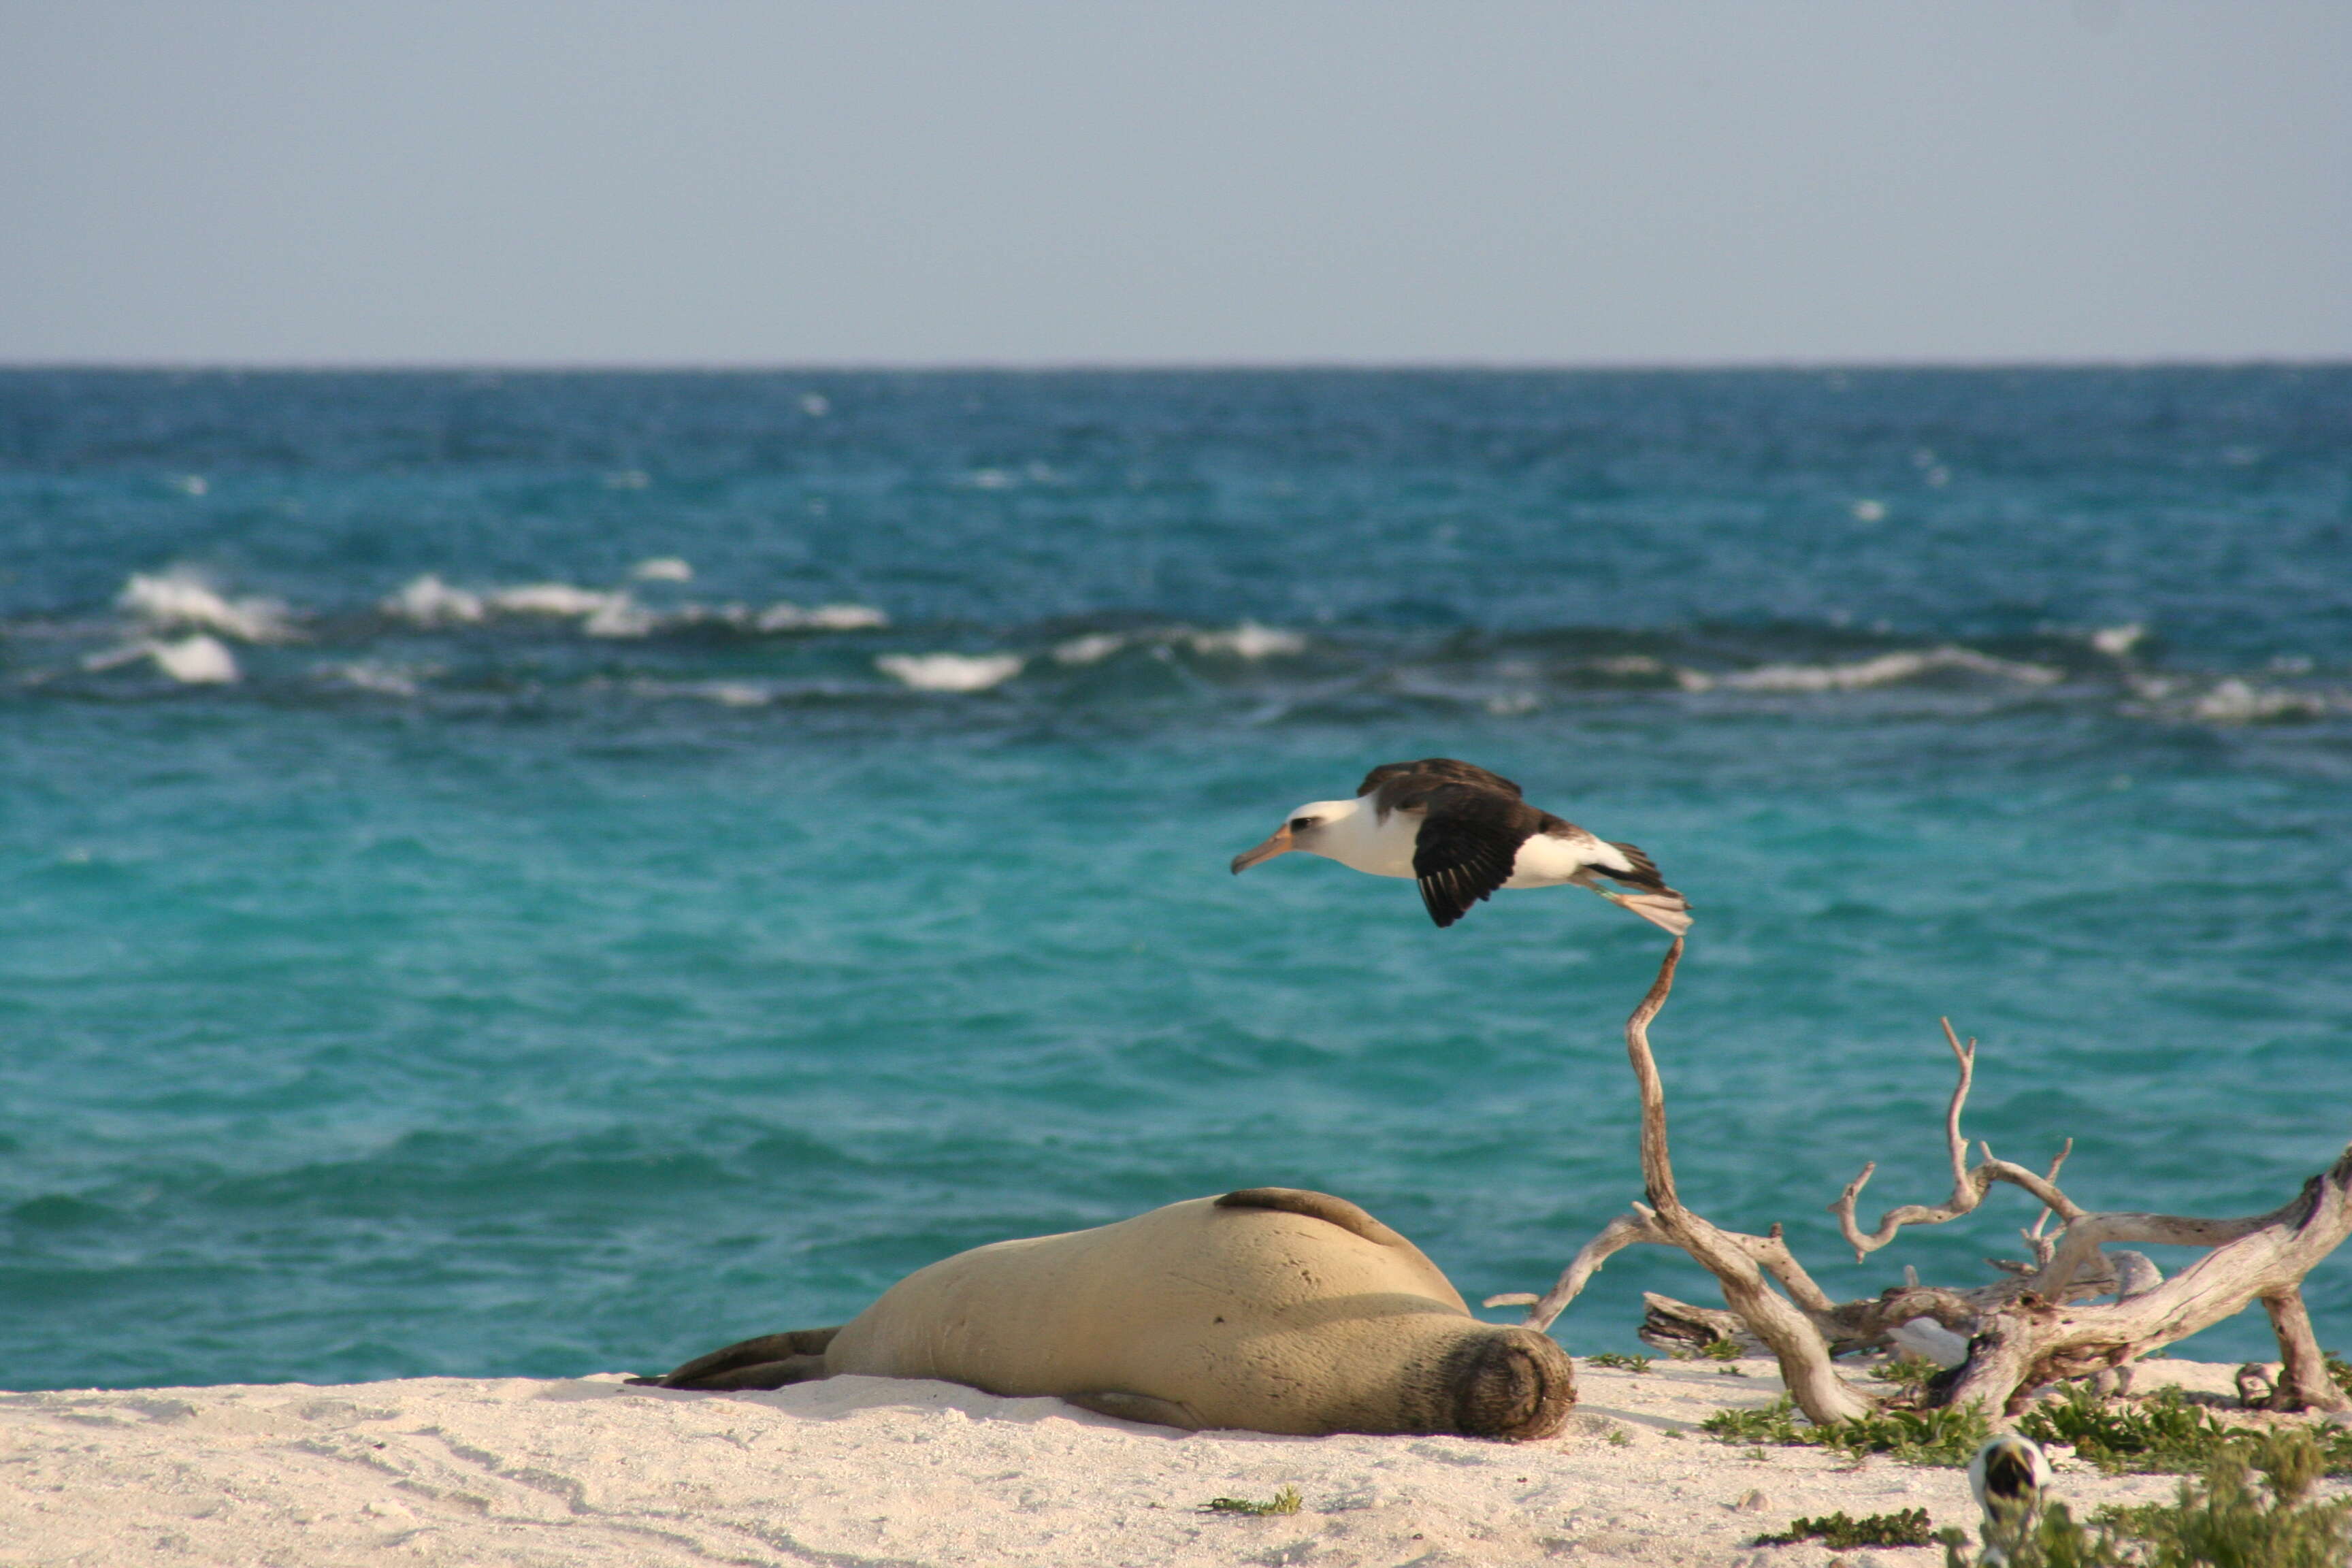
{"points": [[1347, 1216]]}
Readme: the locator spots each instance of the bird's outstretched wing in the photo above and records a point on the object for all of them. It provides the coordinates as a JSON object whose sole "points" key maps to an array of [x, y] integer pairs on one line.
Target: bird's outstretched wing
{"points": [[1469, 841], [1434, 771]]}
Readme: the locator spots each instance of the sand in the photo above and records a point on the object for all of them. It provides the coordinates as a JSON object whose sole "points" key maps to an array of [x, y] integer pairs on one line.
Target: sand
{"points": [[860, 1471]]}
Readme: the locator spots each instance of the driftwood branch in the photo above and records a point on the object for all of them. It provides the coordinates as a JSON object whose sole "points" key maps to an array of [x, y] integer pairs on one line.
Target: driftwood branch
{"points": [[2039, 1324], [1626, 1230], [2033, 1340], [1733, 1260], [1679, 1329], [1969, 1185], [2035, 1327], [2303, 1381]]}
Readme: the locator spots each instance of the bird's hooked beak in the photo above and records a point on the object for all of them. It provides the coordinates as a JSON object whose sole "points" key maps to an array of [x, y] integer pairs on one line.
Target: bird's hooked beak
{"points": [[1279, 843]]}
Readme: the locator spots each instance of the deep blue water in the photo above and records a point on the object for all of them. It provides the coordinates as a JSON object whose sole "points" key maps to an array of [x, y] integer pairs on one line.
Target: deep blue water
{"points": [[469, 988]]}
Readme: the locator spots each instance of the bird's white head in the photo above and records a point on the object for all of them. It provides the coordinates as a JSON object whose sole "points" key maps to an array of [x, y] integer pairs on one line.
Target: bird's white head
{"points": [[2009, 1474], [1307, 829]]}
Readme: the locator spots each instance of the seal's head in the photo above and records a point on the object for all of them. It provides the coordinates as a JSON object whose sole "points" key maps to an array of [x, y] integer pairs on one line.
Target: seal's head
{"points": [[1507, 1383]]}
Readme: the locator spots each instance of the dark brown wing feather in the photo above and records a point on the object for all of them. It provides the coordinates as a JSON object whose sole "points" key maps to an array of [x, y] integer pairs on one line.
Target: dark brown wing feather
{"points": [[1643, 875], [1436, 770], [1469, 841]]}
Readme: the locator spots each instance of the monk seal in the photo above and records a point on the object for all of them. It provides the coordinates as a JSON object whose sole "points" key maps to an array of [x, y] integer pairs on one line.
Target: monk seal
{"points": [[1271, 1310]]}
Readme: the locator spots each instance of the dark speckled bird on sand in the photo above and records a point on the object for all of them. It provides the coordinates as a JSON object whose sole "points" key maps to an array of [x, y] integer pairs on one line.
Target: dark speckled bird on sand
{"points": [[1461, 833]]}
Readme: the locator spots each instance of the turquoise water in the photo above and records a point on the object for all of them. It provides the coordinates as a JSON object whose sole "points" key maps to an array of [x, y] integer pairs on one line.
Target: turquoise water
{"points": [[475, 988]]}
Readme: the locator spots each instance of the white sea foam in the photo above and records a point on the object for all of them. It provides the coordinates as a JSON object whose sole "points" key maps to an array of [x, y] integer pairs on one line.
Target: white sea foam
{"points": [[430, 602], [370, 675], [950, 671], [2236, 701], [1886, 669], [2118, 641], [1249, 640], [197, 660], [179, 598], [1092, 648], [551, 599], [726, 693], [620, 617], [785, 618], [616, 612], [847, 618]]}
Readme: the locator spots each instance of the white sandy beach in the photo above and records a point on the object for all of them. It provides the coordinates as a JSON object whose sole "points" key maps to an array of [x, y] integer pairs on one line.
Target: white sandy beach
{"points": [[857, 1471]]}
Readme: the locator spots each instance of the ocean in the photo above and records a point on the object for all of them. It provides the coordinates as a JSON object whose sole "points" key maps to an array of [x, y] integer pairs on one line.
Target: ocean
{"points": [[535, 874]]}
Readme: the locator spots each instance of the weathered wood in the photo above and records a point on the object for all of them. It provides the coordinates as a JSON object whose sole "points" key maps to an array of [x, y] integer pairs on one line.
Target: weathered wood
{"points": [[2036, 1326], [1678, 1327], [2303, 1380], [1803, 1354], [1626, 1230], [2032, 1341], [1969, 1185]]}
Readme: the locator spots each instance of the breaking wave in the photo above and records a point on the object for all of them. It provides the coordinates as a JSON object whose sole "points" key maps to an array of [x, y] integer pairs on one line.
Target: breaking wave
{"points": [[182, 600], [1885, 670], [428, 602], [436, 637], [950, 671]]}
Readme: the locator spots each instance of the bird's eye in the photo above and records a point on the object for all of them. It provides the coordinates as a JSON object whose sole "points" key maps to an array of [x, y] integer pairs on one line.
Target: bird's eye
{"points": [[1297, 822]]}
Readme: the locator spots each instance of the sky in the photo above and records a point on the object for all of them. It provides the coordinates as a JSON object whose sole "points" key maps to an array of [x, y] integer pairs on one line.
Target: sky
{"points": [[1126, 182]]}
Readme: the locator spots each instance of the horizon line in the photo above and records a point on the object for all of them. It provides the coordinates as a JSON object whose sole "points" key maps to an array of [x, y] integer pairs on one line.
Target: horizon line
{"points": [[1153, 367]]}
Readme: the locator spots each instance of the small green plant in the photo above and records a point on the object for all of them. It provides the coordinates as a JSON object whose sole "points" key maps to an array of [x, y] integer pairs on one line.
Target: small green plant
{"points": [[1284, 1501], [1612, 1360], [1775, 1423], [2164, 1434], [1910, 1371], [2341, 1370], [1944, 1436], [1911, 1527], [1617, 1438], [1720, 1350], [2161, 1433], [2055, 1541], [2231, 1521], [2221, 1520]]}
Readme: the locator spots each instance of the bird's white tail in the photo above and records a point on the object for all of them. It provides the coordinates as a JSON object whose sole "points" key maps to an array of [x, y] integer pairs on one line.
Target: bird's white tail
{"points": [[1670, 912]]}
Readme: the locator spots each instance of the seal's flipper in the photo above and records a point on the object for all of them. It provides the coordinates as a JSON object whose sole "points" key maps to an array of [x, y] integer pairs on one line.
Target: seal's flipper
{"points": [[1141, 1407], [772, 1360], [1315, 1206], [758, 1375]]}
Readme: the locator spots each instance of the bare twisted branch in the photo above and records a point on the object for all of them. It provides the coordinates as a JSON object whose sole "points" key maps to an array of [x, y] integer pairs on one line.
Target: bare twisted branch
{"points": [[1969, 1185]]}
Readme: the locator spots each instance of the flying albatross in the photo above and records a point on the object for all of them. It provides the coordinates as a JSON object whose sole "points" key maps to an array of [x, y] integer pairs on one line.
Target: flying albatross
{"points": [[1462, 831]]}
